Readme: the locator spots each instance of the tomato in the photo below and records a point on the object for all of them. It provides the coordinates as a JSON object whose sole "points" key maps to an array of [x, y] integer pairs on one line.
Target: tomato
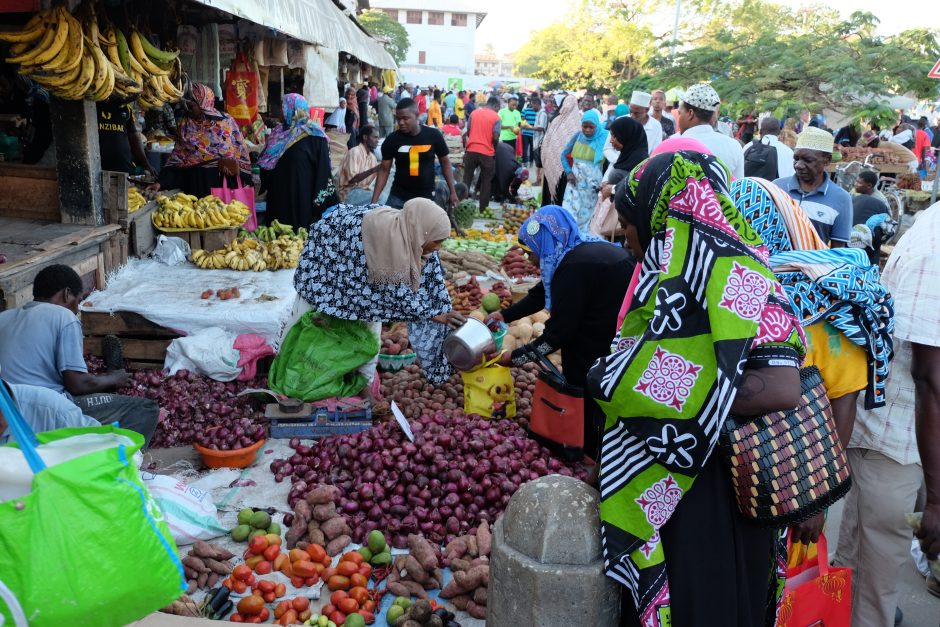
{"points": [[279, 561], [237, 618], [328, 572], [265, 614], [251, 605], [369, 605], [327, 561], [258, 544], [319, 567], [369, 616], [252, 562], [311, 581], [296, 581], [240, 587], [287, 568], [347, 606], [268, 597], [228, 582], [272, 538], [290, 617], [365, 570], [338, 596], [317, 552], [255, 620], [263, 568], [300, 604], [358, 580], [352, 556], [272, 552], [266, 585], [241, 572], [304, 569], [282, 607], [327, 609], [305, 615], [359, 593], [347, 568], [338, 582], [338, 617]]}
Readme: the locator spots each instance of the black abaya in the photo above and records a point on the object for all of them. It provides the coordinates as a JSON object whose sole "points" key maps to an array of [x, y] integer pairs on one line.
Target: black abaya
{"points": [[300, 187]]}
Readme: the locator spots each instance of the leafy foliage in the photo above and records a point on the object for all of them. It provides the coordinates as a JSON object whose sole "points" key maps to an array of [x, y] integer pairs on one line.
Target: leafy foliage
{"points": [[380, 25]]}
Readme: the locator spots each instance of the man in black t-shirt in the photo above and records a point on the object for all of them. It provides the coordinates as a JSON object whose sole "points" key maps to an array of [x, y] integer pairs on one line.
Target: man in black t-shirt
{"points": [[413, 148], [118, 139]]}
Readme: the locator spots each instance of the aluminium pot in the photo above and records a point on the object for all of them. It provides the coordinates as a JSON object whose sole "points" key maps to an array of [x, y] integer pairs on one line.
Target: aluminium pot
{"points": [[467, 346]]}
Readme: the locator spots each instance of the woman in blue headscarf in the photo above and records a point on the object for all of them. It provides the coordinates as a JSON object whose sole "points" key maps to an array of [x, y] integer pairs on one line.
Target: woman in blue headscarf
{"points": [[584, 280], [295, 167], [582, 159]]}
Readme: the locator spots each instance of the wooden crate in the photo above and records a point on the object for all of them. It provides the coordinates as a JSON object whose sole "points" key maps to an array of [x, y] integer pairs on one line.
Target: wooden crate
{"points": [[141, 234], [213, 239], [29, 192], [144, 343]]}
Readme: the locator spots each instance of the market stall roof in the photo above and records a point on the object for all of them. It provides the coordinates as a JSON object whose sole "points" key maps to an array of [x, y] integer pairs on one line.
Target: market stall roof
{"points": [[314, 21]]}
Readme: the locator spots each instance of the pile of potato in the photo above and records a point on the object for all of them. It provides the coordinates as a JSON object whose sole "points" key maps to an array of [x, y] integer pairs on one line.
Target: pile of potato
{"points": [[517, 267], [468, 558], [525, 330], [205, 565], [417, 572], [395, 341], [316, 521], [466, 295], [416, 397]]}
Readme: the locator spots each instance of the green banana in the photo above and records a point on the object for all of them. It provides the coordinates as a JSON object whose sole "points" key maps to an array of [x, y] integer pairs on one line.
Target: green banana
{"points": [[163, 58], [124, 52]]}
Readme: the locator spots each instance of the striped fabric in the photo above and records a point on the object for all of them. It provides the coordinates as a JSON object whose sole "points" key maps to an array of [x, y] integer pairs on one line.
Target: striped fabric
{"points": [[529, 114]]}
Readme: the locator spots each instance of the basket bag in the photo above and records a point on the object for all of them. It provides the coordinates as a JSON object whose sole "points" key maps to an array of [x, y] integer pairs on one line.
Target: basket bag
{"points": [[557, 407], [87, 544], [787, 466]]}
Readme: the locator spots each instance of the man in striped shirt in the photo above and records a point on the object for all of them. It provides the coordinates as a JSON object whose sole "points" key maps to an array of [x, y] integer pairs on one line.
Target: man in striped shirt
{"points": [[528, 133]]}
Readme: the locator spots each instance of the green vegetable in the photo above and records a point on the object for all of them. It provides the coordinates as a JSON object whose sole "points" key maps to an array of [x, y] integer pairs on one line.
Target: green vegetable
{"points": [[394, 613], [244, 516], [260, 520], [376, 542], [240, 533]]}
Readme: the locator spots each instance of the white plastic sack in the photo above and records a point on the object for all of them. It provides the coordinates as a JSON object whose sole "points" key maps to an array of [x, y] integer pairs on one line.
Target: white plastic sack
{"points": [[209, 352], [171, 250], [189, 512], [16, 478]]}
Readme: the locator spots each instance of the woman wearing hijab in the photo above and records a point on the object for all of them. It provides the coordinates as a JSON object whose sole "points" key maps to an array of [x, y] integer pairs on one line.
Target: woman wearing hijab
{"points": [[584, 280], [708, 332], [581, 159], [337, 119], [209, 146], [559, 131], [380, 265], [626, 149], [295, 167]]}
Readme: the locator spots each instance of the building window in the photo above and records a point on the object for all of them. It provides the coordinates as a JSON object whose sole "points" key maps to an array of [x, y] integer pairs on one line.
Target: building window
{"points": [[422, 58], [392, 13], [414, 17], [435, 18], [458, 19]]}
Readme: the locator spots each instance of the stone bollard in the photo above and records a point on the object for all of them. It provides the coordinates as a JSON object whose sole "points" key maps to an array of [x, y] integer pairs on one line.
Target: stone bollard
{"points": [[546, 567]]}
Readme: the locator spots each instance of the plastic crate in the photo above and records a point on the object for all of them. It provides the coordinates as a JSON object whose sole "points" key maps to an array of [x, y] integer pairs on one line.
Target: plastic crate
{"points": [[317, 420]]}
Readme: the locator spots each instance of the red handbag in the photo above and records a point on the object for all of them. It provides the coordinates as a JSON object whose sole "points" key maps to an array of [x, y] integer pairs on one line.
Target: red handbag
{"points": [[817, 595], [557, 415]]}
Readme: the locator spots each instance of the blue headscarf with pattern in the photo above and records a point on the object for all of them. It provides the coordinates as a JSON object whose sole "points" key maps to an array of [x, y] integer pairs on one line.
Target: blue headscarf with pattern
{"points": [[297, 125], [550, 233]]}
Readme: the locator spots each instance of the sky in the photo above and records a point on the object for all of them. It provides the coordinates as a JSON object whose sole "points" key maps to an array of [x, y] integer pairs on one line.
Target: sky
{"points": [[508, 24]]}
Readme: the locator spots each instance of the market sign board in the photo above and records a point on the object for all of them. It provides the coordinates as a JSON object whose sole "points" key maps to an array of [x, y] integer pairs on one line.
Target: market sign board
{"points": [[456, 84]]}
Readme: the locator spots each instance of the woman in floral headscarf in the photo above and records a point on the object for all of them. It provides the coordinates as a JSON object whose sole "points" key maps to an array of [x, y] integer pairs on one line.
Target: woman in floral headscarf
{"points": [[708, 332], [584, 280], [295, 167], [209, 146]]}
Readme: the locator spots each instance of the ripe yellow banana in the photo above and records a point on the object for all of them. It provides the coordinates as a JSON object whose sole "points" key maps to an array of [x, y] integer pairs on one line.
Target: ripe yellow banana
{"points": [[75, 45], [32, 31], [138, 53], [41, 56]]}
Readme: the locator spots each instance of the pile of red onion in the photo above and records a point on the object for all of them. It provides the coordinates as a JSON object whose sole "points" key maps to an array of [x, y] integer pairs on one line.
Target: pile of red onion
{"points": [[195, 404], [458, 471]]}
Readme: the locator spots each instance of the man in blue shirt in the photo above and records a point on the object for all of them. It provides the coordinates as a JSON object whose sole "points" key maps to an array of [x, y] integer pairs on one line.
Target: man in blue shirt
{"points": [[828, 206]]}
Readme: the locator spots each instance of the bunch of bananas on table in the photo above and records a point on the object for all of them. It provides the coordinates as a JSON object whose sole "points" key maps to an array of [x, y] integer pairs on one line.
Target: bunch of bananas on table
{"points": [[186, 212], [75, 60], [135, 200], [252, 254]]}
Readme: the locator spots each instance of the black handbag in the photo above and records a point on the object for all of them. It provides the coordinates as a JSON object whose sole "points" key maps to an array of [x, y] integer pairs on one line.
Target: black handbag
{"points": [[787, 466]]}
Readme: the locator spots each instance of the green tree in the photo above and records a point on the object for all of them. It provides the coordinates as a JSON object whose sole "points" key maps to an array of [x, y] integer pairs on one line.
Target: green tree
{"points": [[393, 35]]}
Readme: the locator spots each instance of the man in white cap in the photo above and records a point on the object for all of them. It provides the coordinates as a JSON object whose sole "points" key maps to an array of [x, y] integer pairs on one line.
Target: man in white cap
{"points": [[828, 206], [640, 111], [698, 106]]}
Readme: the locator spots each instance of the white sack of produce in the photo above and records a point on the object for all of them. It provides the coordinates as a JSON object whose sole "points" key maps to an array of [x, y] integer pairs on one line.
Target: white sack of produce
{"points": [[16, 478], [209, 352], [171, 250], [189, 512]]}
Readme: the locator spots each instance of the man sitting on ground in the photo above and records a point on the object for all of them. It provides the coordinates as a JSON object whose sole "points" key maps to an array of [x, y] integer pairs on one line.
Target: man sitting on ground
{"points": [[357, 173], [43, 410], [41, 344]]}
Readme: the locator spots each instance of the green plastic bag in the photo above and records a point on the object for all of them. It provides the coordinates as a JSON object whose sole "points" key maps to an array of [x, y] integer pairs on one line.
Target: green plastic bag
{"points": [[320, 358], [87, 545]]}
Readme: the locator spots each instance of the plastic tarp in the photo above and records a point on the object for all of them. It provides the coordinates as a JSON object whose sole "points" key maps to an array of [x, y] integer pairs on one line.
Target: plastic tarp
{"points": [[314, 21], [170, 296]]}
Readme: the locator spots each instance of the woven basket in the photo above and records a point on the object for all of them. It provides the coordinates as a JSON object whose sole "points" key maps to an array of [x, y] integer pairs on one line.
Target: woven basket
{"points": [[787, 467]]}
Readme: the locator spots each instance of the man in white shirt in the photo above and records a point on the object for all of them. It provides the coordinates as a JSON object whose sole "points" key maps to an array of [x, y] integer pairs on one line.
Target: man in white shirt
{"points": [[757, 164], [697, 107], [640, 111]]}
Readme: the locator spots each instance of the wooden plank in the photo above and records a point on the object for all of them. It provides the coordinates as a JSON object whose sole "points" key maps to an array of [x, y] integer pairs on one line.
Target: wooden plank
{"points": [[142, 234], [147, 350], [122, 323], [101, 281], [79, 239], [29, 197], [216, 239], [114, 197]]}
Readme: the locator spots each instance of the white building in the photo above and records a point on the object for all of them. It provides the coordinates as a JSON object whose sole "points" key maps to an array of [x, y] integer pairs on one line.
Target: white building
{"points": [[442, 39]]}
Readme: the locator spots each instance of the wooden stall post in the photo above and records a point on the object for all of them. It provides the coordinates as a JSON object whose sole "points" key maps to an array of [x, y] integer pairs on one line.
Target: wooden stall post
{"points": [[78, 157]]}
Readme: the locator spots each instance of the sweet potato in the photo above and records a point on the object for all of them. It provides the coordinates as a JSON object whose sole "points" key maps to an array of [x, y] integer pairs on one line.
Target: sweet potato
{"points": [[476, 611], [190, 572], [196, 564], [324, 512], [191, 586], [438, 576], [453, 589], [473, 578], [414, 589], [479, 597], [335, 527], [212, 580], [203, 549], [459, 564], [201, 580], [422, 551], [414, 570], [455, 548], [302, 510], [337, 544], [316, 537], [460, 601], [322, 494], [218, 567], [297, 531], [484, 538]]}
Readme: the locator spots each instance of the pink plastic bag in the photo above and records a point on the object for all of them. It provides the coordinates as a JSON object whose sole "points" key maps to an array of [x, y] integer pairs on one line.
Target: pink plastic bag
{"points": [[243, 194]]}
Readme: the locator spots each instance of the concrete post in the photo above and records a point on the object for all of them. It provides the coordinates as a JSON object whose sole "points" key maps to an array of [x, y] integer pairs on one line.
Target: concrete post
{"points": [[78, 161], [546, 566]]}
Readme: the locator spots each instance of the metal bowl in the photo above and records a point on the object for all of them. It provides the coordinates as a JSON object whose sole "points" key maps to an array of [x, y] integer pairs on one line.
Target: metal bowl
{"points": [[466, 347]]}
